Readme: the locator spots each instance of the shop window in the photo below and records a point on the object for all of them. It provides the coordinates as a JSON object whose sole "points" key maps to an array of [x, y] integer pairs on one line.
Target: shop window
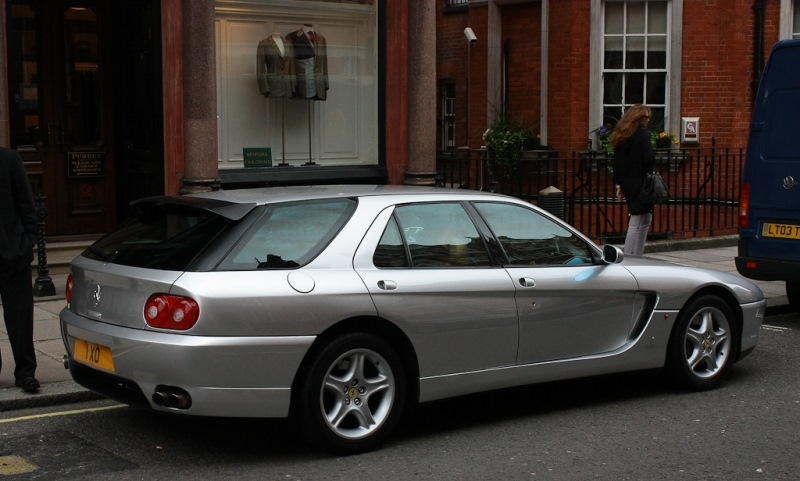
{"points": [[297, 83], [448, 90], [635, 63]]}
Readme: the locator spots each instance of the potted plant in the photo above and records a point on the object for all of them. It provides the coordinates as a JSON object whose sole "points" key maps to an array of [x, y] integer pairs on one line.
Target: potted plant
{"points": [[663, 139], [503, 141]]}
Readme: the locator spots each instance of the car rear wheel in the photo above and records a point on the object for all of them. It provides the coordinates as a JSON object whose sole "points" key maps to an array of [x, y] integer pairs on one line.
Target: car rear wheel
{"points": [[793, 294], [351, 396], [703, 343]]}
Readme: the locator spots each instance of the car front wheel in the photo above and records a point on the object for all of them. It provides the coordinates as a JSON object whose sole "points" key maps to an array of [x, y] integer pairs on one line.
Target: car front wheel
{"points": [[703, 343], [351, 396]]}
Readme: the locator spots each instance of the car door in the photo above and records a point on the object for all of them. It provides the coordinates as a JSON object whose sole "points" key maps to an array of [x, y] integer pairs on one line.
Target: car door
{"points": [[428, 271], [568, 305]]}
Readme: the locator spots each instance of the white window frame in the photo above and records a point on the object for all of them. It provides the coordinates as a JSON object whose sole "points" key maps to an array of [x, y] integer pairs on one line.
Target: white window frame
{"points": [[788, 27], [673, 80]]}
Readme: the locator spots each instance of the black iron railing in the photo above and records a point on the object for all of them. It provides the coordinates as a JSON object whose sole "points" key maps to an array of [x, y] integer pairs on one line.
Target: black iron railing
{"points": [[579, 187]]}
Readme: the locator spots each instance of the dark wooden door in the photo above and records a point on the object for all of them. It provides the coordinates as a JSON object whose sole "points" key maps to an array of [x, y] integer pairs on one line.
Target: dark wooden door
{"points": [[61, 110]]}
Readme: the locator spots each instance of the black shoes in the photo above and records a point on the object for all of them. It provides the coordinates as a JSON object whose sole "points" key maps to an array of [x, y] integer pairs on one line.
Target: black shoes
{"points": [[28, 384]]}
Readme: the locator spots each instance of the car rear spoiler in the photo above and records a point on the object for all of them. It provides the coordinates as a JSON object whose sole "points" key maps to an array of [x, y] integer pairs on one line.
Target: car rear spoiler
{"points": [[230, 210]]}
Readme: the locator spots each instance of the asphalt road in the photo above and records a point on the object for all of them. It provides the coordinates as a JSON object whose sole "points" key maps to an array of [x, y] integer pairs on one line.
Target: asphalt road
{"points": [[624, 427]]}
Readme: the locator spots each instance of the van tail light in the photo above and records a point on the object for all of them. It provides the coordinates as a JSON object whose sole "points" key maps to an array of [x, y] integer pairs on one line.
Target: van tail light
{"points": [[744, 206], [177, 313], [68, 288]]}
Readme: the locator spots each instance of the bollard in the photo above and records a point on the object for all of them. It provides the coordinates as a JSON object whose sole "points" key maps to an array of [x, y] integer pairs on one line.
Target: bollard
{"points": [[551, 199], [43, 286]]}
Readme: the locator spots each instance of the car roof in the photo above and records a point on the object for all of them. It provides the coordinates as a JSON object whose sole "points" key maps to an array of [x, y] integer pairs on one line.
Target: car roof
{"points": [[293, 193], [235, 204]]}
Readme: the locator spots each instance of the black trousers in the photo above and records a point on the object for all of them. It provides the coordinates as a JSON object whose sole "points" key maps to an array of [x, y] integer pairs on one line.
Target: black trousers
{"points": [[16, 292]]}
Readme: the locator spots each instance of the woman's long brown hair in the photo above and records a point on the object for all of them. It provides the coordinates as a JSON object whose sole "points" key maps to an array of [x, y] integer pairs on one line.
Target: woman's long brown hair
{"points": [[629, 123]]}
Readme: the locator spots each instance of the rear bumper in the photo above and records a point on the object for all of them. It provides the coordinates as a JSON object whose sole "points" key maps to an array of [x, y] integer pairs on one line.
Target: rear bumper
{"points": [[765, 269], [225, 376], [768, 269]]}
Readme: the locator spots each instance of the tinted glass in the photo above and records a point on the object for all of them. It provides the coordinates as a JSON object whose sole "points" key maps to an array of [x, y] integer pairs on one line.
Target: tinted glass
{"points": [[290, 235], [164, 237], [391, 251], [441, 235], [529, 238]]}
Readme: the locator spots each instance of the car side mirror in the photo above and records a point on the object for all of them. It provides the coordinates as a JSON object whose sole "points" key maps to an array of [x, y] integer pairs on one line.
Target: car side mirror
{"points": [[612, 254]]}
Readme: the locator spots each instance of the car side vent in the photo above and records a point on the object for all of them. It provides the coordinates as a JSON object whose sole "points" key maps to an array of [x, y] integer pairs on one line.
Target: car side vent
{"points": [[643, 307]]}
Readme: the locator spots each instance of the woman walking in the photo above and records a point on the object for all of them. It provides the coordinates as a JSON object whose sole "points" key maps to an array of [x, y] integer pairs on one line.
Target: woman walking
{"points": [[633, 159]]}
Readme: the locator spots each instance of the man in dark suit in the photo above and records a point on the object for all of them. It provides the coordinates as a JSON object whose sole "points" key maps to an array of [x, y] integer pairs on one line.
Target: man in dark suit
{"points": [[17, 237]]}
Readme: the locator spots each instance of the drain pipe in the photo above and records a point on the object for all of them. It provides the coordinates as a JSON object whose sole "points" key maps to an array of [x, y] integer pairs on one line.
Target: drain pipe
{"points": [[758, 44]]}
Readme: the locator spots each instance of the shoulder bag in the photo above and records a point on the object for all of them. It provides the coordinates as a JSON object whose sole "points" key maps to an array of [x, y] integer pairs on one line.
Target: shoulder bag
{"points": [[654, 190]]}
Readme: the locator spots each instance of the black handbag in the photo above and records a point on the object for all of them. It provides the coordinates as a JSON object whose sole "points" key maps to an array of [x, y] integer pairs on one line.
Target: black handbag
{"points": [[654, 190]]}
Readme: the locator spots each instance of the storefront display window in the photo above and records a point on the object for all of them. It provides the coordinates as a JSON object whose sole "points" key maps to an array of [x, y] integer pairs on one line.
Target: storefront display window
{"points": [[297, 83]]}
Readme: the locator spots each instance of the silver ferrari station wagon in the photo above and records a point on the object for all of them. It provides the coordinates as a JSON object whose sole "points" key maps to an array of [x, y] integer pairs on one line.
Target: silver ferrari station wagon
{"points": [[341, 306]]}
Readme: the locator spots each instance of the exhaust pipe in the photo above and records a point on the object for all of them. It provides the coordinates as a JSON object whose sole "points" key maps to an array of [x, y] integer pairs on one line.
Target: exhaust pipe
{"points": [[171, 397], [179, 400], [159, 398]]}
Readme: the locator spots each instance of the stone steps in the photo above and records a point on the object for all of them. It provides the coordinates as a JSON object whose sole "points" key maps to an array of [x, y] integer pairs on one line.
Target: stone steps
{"points": [[59, 255]]}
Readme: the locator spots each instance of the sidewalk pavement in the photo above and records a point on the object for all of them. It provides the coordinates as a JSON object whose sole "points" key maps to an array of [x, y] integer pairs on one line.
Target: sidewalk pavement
{"points": [[58, 387]]}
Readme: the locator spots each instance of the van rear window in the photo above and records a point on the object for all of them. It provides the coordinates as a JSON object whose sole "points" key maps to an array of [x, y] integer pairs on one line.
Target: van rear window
{"points": [[161, 236]]}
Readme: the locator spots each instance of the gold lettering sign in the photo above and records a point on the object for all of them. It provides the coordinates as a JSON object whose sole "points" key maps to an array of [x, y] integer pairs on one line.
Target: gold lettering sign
{"points": [[86, 164]]}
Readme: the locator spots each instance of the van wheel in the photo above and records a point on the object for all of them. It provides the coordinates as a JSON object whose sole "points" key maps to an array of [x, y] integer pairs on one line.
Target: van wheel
{"points": [[793, 294], [352, 394]]}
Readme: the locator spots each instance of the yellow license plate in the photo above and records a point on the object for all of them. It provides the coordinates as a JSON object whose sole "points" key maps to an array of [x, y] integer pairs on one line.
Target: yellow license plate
{"points": [[93, 354], [783, 231]]}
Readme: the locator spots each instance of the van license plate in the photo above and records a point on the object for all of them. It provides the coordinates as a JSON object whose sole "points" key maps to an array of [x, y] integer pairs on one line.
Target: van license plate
{"points": [[94, 354], [783, 231]]}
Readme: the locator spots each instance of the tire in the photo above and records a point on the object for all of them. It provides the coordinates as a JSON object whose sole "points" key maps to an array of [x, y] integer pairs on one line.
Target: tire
{"points": [[703, 344], [351, 395], [793, 294]]}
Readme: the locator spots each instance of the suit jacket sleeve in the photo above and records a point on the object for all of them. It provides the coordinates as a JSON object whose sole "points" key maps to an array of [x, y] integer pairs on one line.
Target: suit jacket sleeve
{"points": [[261, 68], [23, 197]]}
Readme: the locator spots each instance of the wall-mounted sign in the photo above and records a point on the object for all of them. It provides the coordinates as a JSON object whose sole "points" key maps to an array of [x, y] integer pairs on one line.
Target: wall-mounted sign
{"points": [[86, 164], [690, 130], [257, 157]]}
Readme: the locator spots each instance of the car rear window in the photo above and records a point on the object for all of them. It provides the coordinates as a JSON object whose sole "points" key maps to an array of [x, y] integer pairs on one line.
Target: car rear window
{"points": [[290, 234], [161, 236]]}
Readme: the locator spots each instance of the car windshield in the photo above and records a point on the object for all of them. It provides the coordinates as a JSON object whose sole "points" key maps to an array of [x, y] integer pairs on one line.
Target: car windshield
{"points": [[161, 236]]}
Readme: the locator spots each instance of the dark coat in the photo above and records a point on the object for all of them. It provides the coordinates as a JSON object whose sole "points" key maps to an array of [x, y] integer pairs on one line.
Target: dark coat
{"points": [[633, 160], [17, 210], [311, 66]]}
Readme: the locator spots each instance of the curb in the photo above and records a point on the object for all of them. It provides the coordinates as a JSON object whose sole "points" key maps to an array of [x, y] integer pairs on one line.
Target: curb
{"points": [[50, 394], [691, 244]]}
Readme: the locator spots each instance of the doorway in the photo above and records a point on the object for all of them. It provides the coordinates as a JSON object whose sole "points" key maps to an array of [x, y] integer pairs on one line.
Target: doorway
{"points": [[76, 73]]}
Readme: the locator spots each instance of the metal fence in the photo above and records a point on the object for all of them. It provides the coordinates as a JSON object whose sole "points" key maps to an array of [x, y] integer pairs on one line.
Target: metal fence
{"points": [[579, 188]]}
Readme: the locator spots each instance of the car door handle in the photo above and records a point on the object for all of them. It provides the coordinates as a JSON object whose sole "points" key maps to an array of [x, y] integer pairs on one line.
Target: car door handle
{"points": [[526, 282], [387, 285]]}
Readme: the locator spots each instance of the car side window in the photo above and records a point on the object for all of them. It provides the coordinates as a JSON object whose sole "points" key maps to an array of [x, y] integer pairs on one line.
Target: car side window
{"points": [[530, 238], [290, 235], [391, 252], [437, 235]]}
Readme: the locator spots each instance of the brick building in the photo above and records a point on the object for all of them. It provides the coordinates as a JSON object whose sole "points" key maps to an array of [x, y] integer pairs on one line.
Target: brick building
{"points": [[565, 67], [111, 101]]}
